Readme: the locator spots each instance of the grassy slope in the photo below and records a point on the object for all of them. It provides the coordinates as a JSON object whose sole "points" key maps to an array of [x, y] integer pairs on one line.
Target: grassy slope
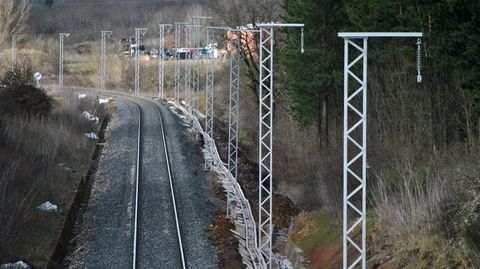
{"points": [[37, 240], [321, 243]]}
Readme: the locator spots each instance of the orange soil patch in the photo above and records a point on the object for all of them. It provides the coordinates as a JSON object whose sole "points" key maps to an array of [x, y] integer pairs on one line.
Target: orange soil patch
{"points": [[326, 256], [219, 233]]}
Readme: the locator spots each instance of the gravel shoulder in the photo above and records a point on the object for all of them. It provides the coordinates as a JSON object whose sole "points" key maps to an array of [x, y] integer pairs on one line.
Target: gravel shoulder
{"points": [[103, 235]]}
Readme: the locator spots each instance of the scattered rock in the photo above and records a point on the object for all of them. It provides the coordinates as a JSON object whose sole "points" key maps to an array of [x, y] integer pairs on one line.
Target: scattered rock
{"points": [[48, 207], [92, 136], [105, 100], [90, 117], [283, 262], [17, 265], [67, 168]]}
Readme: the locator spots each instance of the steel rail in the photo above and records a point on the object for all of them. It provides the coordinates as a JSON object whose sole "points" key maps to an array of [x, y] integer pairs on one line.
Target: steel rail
{"points": [[172, 191], [127, 97], [137, 172]]}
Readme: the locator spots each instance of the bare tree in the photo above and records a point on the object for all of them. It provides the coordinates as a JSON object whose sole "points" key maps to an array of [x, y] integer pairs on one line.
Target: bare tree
{"points": [[241, 12], [196, 10], [236, 13], [13, 17]]}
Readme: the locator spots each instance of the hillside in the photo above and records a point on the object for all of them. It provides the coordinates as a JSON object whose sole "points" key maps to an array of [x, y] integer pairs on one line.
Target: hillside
{"points": [[421, 171]]}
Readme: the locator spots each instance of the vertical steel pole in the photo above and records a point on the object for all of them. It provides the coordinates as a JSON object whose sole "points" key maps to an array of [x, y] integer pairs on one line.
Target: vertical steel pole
{"points": [[345, 126], [355, 143], [364, 156], [138, 32], [188, 67], [354, 156], [103, 67], [161, 60], [233, 117], [265, 145], [209, 89], [197, 26], [137, 62], [60, 69], [234, 104], [177, 60], [196, 66]]}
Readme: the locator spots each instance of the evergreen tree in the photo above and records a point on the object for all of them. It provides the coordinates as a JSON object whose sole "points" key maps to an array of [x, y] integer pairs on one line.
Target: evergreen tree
{"points": [[452, 53], [451, 57], [313, 77], [49, 3]]}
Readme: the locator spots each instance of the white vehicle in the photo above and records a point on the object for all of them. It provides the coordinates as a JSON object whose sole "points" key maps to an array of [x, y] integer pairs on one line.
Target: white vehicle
{"points": [[212, 50]]}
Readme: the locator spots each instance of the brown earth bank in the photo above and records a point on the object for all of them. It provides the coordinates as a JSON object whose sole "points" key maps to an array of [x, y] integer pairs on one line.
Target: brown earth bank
{"points": [[219, 232], [283, 207]]}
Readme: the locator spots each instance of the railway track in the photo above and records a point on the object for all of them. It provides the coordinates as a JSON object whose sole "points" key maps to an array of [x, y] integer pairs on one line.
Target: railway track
{"points": [[143, 237], [160, 218]]}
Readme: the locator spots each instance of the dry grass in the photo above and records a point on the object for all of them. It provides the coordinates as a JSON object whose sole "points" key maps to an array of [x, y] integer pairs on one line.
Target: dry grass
{"points": [[31, 175], [411, 200]]}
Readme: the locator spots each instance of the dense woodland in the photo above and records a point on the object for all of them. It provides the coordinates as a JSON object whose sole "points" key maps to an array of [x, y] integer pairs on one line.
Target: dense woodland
{"points": [[423, 139]]}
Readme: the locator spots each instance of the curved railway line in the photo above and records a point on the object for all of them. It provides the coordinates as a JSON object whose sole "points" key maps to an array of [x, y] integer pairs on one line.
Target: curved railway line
{"points": [[149, 208], [142, 183]]}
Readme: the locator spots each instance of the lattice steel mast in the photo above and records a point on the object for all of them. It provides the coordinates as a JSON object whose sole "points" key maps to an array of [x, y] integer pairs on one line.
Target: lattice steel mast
{"points": [[355, 144], [265, 142], [60, 68], [234, 104], [103, 67], [178, 34], [138, 32], [209, 88], [210, 81], [197, 26], [188, 67], [161, 60], [234, 97]]}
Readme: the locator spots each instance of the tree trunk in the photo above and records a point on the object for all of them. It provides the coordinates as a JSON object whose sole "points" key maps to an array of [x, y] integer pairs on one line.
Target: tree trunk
{"points": [[320, 125], [324, 121]]}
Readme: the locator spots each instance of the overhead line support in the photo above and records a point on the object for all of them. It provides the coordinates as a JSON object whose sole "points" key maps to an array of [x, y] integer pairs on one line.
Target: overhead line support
{"points": [[138, 33], [355, 143], [103, 67], [265, 143]]}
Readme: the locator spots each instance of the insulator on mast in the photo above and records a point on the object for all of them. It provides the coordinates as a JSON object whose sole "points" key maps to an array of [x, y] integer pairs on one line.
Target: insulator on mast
{"points": [[419, 60]]}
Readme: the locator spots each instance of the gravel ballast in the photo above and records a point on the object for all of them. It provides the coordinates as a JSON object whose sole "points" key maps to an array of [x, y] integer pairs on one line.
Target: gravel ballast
{"points": [[104, 233]]}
